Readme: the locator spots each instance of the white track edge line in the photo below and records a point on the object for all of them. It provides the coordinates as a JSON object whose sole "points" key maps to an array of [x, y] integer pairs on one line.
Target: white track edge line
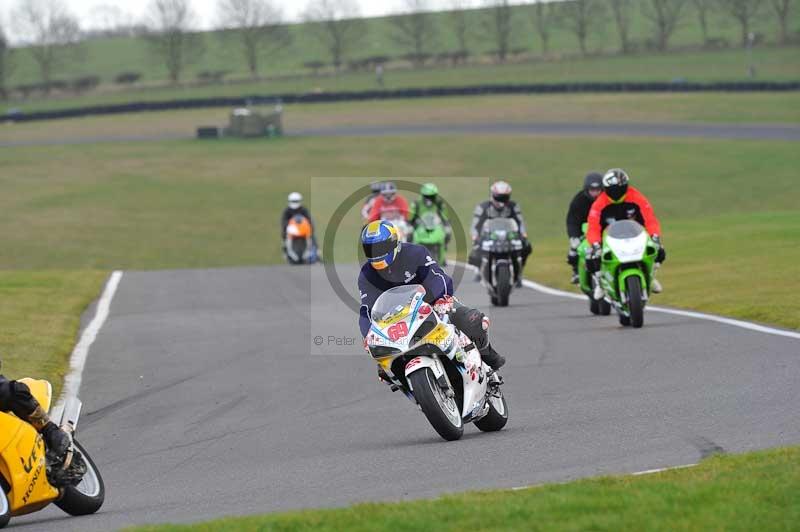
{"points": [[77, 362], [636, 474], [664, 310]]}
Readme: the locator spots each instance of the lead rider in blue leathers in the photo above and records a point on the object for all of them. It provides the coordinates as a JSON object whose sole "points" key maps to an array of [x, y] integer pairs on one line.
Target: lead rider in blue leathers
{"points": [[391, 263]]}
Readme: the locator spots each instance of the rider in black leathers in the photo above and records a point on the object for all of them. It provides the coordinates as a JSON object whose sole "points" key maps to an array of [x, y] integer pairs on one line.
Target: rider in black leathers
{"points": [[578, 213], [499, 205]]}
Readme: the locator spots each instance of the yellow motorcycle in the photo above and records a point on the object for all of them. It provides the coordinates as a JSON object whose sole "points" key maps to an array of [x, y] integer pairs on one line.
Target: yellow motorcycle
{"points": [[30, 479]]}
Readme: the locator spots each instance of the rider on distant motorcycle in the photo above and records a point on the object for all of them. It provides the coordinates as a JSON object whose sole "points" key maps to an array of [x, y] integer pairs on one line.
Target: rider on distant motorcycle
{"points": [[374, 192], [619, 201], [391, 263], [577, 214], [430, 201], [16, 397], [295, 207], [499, 205], [389, 205]]}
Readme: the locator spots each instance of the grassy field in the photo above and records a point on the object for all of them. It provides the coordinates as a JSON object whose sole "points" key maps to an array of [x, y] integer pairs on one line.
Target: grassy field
{"points": [[107, 57], [756, 491], [652, 108], [188, 204], [40, 313], [728, 65]]}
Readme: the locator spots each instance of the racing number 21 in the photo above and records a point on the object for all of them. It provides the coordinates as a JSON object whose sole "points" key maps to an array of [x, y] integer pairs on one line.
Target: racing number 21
{"points": [[397, 331]]}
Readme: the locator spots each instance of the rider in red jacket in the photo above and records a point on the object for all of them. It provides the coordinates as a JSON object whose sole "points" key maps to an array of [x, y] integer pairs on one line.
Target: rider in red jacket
{"points": [[389, 205], [620, 201]]}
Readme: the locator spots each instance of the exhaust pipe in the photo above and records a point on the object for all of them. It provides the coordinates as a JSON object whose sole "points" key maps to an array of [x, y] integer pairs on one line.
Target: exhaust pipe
{"points": [[70, 415]]}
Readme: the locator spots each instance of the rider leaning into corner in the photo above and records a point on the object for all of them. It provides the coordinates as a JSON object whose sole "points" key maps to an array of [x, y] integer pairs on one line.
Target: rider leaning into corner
{"points": [[294, 207], [577, 214], [499, 205], [391, 263], [16, 397], [621, 201]]}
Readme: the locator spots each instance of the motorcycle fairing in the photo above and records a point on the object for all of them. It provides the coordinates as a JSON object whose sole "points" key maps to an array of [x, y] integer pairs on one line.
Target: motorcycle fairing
{"points": [[22, 457]]}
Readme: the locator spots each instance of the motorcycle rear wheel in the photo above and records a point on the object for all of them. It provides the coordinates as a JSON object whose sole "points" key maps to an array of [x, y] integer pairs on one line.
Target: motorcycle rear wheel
{"points": [[442, 412], [497, 417], [88, 496]]}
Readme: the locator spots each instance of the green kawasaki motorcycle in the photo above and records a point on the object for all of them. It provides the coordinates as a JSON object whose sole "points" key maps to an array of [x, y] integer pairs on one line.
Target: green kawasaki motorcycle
{"points": [[626, 271], [430, 232]]}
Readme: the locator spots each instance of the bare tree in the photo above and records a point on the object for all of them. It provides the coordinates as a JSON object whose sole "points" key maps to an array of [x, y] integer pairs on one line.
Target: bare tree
{"points": [[545, 18], [665, 15], [337, 25], [782, 9], [621, 10], [6, 62], [415, 30], [54, 35], [258, 25], [703, 7], [744, 11], [170, 35], [582, 17], [498, 24], [459, 22]]}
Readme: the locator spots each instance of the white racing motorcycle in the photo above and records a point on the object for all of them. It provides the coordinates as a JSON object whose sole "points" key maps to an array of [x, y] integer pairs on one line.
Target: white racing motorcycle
{"points": [[434, 364]]}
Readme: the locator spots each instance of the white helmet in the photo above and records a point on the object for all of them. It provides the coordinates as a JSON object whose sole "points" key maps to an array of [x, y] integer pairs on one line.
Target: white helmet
{"points": [[500, 193], [295, 200]]}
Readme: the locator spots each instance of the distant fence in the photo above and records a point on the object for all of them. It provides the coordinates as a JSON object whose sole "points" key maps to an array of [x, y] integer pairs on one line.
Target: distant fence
{"points": [[327, 97]]}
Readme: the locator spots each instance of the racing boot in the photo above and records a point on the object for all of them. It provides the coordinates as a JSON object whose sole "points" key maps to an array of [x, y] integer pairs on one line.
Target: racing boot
{"points": [[518, 282], [575, 279], [655, 286], [492, 358]]}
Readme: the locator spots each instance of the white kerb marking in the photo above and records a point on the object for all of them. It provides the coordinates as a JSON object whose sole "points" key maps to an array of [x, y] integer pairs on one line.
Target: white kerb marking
{"points": [[675, 312], [77, 362]]}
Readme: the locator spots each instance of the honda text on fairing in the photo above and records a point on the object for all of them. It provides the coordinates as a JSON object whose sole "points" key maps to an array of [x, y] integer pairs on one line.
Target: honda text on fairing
{"points": [[433, 364], [31, 479], [501, 250]]}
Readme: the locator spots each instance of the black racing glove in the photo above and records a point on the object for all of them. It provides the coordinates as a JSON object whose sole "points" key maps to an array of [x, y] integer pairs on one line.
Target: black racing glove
{"points": [[593, 258], [661, 253]]}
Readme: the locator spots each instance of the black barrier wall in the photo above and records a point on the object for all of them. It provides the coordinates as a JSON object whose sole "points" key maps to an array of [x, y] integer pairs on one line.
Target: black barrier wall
{"points": [[199, 103]]}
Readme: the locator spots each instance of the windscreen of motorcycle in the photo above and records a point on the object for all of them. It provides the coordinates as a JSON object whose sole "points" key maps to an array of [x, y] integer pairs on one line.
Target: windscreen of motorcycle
{"points": [[430, 221], [396, 304], [627, 239], [500, 227]]}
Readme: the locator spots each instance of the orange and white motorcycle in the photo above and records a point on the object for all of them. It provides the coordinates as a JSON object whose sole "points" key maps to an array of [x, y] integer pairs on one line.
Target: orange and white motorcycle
{"points": [[434, 364], [30, 479], [299, 246]]}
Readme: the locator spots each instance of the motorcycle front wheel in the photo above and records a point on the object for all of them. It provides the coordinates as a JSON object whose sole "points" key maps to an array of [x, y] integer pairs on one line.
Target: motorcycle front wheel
{"points": [[88, 496], [635, 301], [442, 411], [5, 507], [503, 279]]}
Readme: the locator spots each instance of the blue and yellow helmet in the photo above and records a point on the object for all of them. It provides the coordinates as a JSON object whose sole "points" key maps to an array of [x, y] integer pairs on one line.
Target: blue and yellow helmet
{"points": [[380, 242]]}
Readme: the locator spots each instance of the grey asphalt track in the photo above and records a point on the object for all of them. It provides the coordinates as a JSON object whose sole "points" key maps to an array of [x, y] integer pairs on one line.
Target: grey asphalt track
{"points": [[205, 396], [714, 131]]}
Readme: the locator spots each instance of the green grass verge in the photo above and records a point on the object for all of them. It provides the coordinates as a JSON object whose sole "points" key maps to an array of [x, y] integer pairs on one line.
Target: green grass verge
{"points": [[728, 207], [40, 315], [754, 491], [775, 107], [778, 64]]}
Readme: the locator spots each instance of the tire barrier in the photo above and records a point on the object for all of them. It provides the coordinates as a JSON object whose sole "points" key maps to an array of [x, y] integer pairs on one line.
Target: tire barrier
{"points": [[410, 93]]}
